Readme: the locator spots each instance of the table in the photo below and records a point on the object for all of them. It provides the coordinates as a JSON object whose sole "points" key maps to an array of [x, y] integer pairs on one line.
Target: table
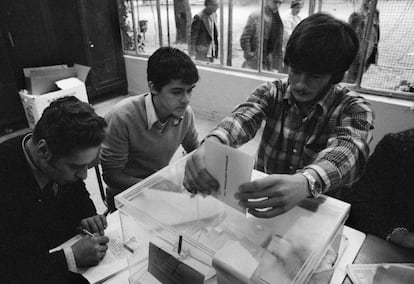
{"points": [[377, 250]]}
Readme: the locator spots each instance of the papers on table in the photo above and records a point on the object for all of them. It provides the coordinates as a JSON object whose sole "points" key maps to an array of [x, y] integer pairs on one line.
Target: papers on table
{"points": [[231, 168], [383, 273]]}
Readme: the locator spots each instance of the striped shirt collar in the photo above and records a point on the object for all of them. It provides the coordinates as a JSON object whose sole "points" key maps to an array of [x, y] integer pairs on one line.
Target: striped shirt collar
{"points": [[152, 117]]}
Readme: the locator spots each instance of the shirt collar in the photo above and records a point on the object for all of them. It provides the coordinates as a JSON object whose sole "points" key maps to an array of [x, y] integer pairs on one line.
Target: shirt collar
{"points": [[152, 117], [323, 104], [40, 177]]}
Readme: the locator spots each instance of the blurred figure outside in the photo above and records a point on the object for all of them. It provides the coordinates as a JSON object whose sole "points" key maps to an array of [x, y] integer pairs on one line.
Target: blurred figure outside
{"points": [[290, 20], [272, 38], [358, 20], [204, 34]]}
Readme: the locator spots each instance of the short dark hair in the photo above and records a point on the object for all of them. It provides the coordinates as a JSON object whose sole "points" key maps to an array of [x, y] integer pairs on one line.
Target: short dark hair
{"points": [[68, 124], [322, 44], [169, 63], [206, 2]]}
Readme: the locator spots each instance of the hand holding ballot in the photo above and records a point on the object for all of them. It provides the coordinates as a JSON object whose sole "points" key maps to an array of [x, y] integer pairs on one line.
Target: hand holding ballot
{"points": [[197, 179], [273, 195], [208, 171]]}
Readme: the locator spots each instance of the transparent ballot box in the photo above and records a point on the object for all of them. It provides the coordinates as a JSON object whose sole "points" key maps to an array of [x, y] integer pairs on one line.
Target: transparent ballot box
{"points": [[223, 244]]}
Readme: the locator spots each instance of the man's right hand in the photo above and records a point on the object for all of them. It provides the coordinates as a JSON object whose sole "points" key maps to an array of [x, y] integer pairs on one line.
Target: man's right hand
{"points": [[196, 178], [89, 251]]}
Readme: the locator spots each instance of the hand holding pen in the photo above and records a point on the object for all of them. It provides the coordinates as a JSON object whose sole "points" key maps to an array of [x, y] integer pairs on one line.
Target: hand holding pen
{"points": [[90, 250]]}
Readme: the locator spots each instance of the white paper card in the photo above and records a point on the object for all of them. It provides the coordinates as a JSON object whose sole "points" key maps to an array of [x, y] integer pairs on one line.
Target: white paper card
{"points": [[236, 261], [230, 167]]}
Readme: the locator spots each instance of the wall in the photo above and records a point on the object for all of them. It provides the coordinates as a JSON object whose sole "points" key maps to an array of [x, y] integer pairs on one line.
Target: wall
{"points": [[220, 90]]}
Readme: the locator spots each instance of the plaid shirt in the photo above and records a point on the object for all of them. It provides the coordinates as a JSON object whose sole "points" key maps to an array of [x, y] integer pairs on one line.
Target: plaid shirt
{"points": [[332, 140]]}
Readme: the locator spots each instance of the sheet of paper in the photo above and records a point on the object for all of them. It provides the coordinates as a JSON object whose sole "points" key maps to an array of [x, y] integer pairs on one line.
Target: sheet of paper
{"points": [[382, 273], [68, 83], [230, 167], [354, 242], [236, 261]]}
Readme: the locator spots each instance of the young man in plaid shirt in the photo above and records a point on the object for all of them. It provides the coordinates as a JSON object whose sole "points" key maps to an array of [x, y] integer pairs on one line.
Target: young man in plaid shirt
{"points": [[316, 135]]}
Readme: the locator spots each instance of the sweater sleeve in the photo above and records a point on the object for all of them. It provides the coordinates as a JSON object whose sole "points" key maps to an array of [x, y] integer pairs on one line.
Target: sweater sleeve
{"points": [[115, 148], [190, 141]]}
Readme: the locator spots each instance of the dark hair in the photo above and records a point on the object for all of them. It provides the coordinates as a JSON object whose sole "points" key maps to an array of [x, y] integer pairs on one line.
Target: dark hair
{"points": [[169, 63], [69, 124], [322, 44], [206, 2]]}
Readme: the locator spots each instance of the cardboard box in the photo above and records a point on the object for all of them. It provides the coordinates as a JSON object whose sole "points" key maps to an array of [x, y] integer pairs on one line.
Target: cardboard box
{"points": [[34, 105], [41, 80]]}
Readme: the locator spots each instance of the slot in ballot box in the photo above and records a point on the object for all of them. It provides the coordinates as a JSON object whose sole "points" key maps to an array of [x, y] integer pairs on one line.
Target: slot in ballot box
{"points": [[222, 243]]}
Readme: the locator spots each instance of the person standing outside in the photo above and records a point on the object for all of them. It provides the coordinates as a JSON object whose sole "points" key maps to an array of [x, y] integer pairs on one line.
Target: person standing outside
{"points": [[204, 33], [358, 20], [316, 135], [291, 20], [272, 38], [145, 131], [44, 201]]}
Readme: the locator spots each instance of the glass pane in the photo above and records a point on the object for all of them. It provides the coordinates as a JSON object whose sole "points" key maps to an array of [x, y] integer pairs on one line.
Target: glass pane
{"points": [[204, 31], [142, 19], [389, 57], [279, 19], [246, 34], [126, 25], [393, 64]]}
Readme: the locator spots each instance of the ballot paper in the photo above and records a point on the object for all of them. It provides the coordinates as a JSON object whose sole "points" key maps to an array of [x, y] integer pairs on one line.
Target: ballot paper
{"points": [[115, 259], [382, 273], [234, 263], [231, 168]]}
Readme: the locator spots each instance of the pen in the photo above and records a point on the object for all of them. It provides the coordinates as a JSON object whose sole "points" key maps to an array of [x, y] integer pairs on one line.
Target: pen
{"points": [[128, 248], [87, 233], [180, 241]]}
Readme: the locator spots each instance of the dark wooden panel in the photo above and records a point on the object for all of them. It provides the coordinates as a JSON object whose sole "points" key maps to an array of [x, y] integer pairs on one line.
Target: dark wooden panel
{"points": [[11, 110], [103, 44], [67, 30], [28, 34]]}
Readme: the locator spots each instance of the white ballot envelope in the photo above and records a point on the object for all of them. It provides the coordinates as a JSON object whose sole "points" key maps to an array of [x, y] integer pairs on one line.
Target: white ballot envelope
{"points": [[231, 168]]}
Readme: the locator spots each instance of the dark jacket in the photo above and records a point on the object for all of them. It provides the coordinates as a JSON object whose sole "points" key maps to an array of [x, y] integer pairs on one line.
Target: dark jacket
{"points": [[383, 199], [202, 35], [249, 41], [32, 223]]}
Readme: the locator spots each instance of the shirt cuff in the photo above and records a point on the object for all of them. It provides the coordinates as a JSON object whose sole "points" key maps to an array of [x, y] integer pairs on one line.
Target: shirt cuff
{"points": [[70, 259], [220, 135]]}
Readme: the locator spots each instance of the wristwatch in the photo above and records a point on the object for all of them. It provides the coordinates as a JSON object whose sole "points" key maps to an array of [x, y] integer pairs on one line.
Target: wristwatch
{"points": [[314, 186]]}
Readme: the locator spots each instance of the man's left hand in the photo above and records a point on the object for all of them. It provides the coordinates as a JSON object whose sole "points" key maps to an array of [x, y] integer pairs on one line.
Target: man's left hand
{"points": [[94, 224], [274, 194]]}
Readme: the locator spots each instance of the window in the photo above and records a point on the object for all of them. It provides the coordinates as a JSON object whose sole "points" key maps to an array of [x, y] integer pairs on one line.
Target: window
{"points": [[245, 26]]}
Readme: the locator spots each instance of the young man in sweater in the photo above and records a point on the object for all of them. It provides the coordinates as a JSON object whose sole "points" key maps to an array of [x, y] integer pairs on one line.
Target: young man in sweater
{"points": [[44, 201], [145, 131]]}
